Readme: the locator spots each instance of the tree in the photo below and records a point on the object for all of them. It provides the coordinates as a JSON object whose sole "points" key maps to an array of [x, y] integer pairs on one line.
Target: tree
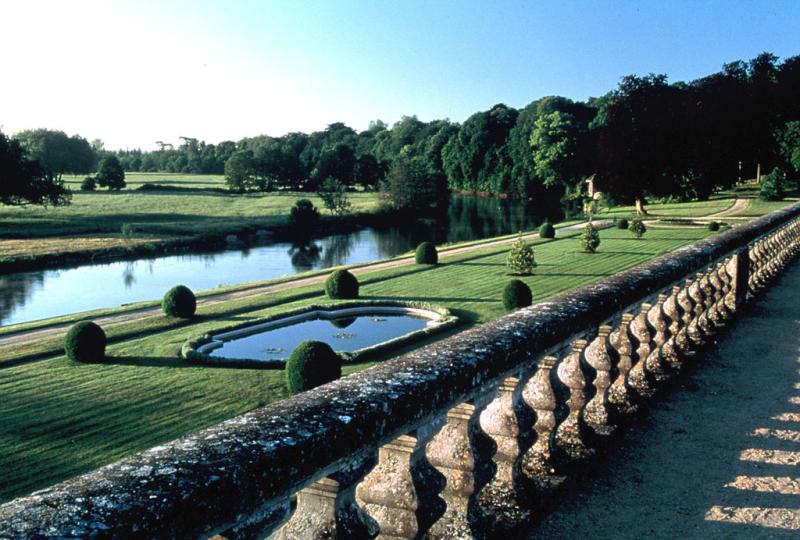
{"points": [[554, 142], [521, 259], [590, 238], [789, 145], [58, 152], [334, 196], [111, 174], [408, 186], [772, 186], [24, 181], [303, 219], [240, 172]]}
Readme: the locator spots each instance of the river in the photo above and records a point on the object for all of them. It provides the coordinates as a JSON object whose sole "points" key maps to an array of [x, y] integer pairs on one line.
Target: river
{"points": [[30, 296]]}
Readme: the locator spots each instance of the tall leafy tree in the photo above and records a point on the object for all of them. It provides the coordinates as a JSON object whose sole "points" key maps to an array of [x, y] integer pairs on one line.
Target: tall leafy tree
{"points": [[111, 174], [57, 151], [25, 181]]}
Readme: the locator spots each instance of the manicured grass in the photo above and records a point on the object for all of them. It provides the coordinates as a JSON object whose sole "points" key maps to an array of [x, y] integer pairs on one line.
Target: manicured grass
{"points": [[160, 213], [134, 180], [757, 207], [61, 419], [687, 209]]}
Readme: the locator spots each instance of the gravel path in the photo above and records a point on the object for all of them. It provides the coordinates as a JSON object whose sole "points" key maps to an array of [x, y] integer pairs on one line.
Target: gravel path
{"points": [[58, 330], [718, 457]]}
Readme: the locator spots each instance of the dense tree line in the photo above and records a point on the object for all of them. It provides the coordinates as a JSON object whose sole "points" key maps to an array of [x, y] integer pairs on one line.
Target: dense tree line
{"points": [[646, 138]]}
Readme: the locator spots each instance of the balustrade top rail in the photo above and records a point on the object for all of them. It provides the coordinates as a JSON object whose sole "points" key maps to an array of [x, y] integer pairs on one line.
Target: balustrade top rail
{"points": [[235, 471]]}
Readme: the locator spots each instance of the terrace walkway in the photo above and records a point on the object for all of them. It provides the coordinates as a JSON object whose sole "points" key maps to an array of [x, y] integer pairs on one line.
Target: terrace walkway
{"points": [[719, 456]]}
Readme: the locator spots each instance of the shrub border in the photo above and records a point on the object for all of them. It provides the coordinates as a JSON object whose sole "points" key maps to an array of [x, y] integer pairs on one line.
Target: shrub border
{"points": [[190, 353]]}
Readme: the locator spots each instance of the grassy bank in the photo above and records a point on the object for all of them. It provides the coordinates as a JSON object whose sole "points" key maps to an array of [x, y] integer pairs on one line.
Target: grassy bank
{"points": [[61, 419]]}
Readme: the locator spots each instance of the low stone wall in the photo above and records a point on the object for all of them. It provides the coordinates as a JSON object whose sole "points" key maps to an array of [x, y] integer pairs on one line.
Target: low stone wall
{"points": [[459, 439]]}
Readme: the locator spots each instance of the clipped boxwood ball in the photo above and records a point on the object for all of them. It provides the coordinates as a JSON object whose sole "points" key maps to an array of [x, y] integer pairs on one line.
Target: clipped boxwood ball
{"points": [[341, 284], [311, 364], [713, 226], [622, 224], [85, 342], [179, 301], [547, 230], [426, 254], [516, 295]]}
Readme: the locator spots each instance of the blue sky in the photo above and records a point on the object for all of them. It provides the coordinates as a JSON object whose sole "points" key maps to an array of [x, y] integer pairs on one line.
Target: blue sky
{"points": [[133, 72]]}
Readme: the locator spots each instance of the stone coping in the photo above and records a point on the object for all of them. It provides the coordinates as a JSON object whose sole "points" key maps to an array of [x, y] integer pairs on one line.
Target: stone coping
{"points": [[186, 488]]}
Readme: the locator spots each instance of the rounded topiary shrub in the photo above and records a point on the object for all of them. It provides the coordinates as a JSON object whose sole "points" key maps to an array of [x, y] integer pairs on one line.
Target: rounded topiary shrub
{"points": [[179, 301], [426, 253], [311, 364], [341, 284], [547, 230], [637, 228], [713, 226], [622, 224], [85, 342], [516, 295]]}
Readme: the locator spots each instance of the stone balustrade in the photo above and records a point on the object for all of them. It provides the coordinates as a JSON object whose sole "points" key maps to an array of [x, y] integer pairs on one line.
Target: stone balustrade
{"points": [[464, 438]]}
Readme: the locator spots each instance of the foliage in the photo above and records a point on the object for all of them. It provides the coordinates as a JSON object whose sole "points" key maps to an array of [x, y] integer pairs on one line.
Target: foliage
{"points": [[713, 226], [180, 302], [426, 254], [24, 181], [334, 196], [590, 238], [521, 260], [241, 173], [554, 141], [637, 228], [303, 218], [789, 145], [127, 231], [85, 342], [311, 364], [341, 284], [622, 224], [110, 174], [772, 186], [546, 230], [409, 186], [88, 184], [516, 294], [58, 152]]}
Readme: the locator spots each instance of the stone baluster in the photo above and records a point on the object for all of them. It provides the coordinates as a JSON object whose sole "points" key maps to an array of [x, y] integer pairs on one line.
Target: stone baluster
{"points": [[756, 283], [715, 315], [328, 509], [654, 361], [699, 325], [683, 340], [539, 463], [571, 433], [708, 301], [499, 501], [739, 270], [598, 356], [671, 351], [619, 394], [639, 377], [389, 494], [727, 286], [453, 452]]}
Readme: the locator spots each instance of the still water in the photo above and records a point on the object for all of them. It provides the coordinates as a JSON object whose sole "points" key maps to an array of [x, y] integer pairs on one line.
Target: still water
{"points": [[342, 334], [29, 296]]}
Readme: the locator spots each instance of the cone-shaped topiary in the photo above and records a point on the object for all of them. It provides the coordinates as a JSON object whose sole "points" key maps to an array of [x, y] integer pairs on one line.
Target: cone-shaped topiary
{"points": [[516, 294], [179, 301], [590, 238], [311, 364], [341, 284], [637, 228], [713, 226], [622, 224], [547, 230], [426, 254], [85, 342], [521, 258]]}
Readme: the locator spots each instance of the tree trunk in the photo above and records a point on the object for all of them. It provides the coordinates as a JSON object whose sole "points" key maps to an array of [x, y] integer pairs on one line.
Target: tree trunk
{"points": [[640, 209]]}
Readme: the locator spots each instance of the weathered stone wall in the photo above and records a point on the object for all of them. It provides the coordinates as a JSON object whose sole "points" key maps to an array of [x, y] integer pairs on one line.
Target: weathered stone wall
{"points": [[459, 439]]}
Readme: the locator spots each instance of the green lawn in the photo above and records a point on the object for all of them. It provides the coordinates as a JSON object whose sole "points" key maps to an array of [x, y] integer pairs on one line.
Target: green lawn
{"points": [[160, 213], [756, 207], [61, 419], [686, 209], [137, 179]]}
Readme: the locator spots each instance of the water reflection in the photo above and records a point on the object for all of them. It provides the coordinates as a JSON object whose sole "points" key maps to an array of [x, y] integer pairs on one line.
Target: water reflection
{"points": [[28, 296]]}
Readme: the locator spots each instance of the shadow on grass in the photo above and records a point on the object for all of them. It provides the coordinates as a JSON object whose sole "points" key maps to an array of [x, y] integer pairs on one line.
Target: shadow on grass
{"points": [[428, 299], [150, 361]]}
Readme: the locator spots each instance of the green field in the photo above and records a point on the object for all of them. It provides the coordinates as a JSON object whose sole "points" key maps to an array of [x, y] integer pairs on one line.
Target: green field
{"points": [[61, 419], [134, 180]]}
